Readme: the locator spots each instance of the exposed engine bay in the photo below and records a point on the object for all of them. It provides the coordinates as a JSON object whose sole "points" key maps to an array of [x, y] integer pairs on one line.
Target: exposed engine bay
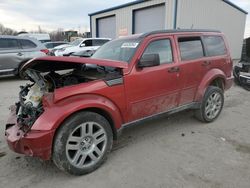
{"points": [[30, 107]]}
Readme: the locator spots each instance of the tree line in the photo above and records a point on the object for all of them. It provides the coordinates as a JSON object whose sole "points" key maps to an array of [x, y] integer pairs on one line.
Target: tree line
{"points": [[6, 31], [58, 35]]}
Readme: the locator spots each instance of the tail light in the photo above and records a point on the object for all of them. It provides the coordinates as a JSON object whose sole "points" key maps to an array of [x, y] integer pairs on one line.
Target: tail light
{"points": [[229, 67], [46, 51]]}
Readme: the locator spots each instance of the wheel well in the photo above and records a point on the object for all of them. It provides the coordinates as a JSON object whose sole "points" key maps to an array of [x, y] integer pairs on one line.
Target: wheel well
{"points": [[19, 66], [98, 111], [107, 116], [218, 82]]}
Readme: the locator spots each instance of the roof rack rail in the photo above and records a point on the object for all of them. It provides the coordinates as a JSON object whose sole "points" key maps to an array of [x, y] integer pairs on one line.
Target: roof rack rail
{"points": [[179, 31]]}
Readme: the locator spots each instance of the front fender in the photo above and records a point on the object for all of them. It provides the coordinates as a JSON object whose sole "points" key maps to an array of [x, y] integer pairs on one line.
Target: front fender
{"points": [[207, 80], [55, 113]]}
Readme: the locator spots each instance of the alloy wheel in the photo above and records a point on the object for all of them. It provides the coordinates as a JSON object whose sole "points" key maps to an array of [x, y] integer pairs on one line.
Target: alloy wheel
{"points": [[86, 144], [213, 105]]}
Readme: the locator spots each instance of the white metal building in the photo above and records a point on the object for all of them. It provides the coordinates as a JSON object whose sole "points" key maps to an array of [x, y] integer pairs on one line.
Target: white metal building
{"points": [[148, 15]]}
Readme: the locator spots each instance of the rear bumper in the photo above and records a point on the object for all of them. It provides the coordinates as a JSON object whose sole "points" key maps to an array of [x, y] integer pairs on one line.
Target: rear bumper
{"points": [[229, 83], [33, 143]]}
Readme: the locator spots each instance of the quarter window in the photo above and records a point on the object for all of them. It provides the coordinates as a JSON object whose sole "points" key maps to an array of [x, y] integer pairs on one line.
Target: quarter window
{"points": [[49, 45], [26, 44], [99, 42], [161, 47], [191, 48], [8, 44], [215, 45]]}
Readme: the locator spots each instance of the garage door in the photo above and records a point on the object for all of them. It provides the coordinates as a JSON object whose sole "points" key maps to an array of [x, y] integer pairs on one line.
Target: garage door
{"points": [[149, 19], [106, 27]]}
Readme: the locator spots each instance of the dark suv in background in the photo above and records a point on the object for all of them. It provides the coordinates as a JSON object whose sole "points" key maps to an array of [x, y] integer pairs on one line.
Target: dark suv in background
{"points": [[15, 51]]}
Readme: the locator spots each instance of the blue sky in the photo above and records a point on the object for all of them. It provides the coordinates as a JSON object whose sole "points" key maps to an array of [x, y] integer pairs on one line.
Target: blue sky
{"points": [[52, 14]]}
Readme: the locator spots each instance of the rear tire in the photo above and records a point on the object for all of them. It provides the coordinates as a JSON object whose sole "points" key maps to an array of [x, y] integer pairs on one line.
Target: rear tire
{"points": [[82, 143], [211, 106]]}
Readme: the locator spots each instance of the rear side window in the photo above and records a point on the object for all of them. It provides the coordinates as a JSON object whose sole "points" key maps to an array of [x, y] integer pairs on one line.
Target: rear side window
{"points": [[99, 42], [215, 45], [49, 45], [161, 47], [8, 44], [191, 48], [88, 43], [26, 44], [57, 44]]}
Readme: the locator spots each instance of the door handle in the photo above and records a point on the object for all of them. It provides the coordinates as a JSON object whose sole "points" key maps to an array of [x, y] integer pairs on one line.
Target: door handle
{"points": [[174, 69], [206, 63], [20, 54]]}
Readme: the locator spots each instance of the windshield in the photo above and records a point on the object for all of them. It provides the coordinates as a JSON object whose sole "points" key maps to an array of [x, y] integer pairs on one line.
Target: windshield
{"points": [[76, 42], [118, 50]]}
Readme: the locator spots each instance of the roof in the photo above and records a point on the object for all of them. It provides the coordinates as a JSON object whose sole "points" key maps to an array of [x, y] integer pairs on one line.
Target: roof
{"points": [[235, 6], [141, 36], [141, 1], [180, 31], [117, 7], [14, 37], [18, 37]]}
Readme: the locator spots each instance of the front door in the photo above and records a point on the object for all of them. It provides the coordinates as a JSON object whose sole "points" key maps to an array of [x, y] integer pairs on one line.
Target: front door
{"points": [[152, 90], [10, 54], [191, 58]]}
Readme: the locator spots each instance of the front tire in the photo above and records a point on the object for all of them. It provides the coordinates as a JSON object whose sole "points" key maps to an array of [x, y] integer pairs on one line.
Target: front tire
{"points": [[82, 143], [211, 106]]}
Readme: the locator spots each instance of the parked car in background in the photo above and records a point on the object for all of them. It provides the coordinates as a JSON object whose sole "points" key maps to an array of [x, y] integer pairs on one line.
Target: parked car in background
{"points": [[64, 46], [15, 51], [51, 45], [42, 37], [81, 45], [73, 117], [85, 53]]}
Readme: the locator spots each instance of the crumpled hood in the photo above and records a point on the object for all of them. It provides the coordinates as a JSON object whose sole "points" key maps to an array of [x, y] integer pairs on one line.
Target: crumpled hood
{"points": [[53, 63]]}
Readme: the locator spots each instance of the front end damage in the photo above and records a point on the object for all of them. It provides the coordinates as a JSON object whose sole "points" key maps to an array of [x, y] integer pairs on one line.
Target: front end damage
{"points": [[46, 76]]}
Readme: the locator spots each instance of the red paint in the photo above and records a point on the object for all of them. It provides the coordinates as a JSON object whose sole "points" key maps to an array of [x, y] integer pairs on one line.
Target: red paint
{"points": [[82, 60], [144, 92]]}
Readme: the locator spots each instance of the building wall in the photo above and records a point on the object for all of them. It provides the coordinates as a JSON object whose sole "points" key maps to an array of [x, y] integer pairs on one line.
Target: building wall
{"points": [[124, 16], [214, 14]]}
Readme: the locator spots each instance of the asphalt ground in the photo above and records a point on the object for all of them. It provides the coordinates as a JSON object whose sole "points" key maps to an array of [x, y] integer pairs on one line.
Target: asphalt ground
{"points": [[175, 151]]}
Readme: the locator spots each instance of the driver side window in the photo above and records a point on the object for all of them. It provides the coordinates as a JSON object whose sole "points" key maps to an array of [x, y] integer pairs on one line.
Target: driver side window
{"points": [[87, 43], [161, 47]]}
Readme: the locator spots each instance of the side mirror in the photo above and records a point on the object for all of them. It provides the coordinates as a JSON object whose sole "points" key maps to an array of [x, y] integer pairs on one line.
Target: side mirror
{"points": [[82, 45], [149, 60]]}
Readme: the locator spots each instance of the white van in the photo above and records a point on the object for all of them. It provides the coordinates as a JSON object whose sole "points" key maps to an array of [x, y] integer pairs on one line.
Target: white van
{"points": [[42, 37]]}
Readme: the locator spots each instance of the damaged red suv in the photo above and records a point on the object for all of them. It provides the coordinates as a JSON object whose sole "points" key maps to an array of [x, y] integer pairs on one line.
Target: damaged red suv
{"points": [[74, 107]]}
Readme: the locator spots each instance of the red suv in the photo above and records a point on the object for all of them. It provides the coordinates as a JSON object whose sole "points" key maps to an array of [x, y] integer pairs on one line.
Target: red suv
{"points": [[75, 107]]}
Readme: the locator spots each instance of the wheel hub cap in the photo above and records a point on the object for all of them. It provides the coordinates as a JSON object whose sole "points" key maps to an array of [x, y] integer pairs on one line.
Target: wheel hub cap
{"points": [[86, 144], [213, 105]]}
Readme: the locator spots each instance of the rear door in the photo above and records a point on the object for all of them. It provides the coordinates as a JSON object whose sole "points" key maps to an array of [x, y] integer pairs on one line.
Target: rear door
{"points": [[29, 49], [153, 90], [10, 54], [191, 58], [216, 54]]}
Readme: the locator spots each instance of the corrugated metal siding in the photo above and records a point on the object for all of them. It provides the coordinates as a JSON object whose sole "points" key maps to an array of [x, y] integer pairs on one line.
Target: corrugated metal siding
{"points": [[214, 14], [151, 15], [124, 16], [107, 27]]}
